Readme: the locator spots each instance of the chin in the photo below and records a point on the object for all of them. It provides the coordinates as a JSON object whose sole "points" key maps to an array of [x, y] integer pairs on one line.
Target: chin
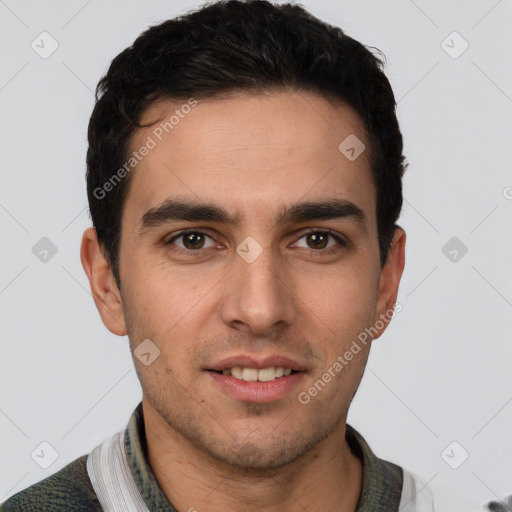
{"points": [[262, 458]]}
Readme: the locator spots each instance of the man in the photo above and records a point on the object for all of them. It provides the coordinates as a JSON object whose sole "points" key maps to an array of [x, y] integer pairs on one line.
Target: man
{"points": [[244, 181]]}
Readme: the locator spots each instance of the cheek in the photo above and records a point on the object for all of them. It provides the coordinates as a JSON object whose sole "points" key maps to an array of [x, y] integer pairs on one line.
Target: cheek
{"points": [[340, 308], [344, 299], [156, 290], [168, 309]]}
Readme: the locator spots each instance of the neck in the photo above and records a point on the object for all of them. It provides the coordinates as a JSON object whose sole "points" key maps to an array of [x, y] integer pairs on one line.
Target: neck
{"points": [[328, 478]]}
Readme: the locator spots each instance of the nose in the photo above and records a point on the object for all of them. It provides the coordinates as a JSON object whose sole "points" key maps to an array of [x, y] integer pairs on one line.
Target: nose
{"points": [[258, 296]]}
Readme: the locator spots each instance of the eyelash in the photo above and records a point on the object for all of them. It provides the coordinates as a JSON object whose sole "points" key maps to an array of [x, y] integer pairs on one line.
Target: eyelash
{"points": [[340, 241]]}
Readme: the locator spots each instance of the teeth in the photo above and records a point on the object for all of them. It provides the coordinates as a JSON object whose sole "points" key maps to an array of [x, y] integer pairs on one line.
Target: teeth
{"points": [[237, 372], [253, 374], [266, 374], [250, 374]]}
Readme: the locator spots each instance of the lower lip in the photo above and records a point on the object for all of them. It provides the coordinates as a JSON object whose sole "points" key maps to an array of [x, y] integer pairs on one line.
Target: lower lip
{"points": [[258, 392]]}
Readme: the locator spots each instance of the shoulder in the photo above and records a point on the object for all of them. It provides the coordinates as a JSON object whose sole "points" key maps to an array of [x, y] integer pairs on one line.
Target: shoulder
{"points": [[68, 490], [416, 495]]}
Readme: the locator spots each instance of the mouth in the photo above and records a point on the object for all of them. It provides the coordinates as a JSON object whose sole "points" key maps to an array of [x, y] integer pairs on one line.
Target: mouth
{"points": [[256, 375], [261, 380]]}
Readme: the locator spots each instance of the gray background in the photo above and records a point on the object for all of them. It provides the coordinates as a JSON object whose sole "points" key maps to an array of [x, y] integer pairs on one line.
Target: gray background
{"points": [[440, 374]]}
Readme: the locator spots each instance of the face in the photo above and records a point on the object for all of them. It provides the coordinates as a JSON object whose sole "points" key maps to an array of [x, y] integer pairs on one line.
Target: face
{"points": [[248, 249]]}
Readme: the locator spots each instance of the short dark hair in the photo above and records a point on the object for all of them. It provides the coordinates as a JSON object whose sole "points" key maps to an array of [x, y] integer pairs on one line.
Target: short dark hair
{"points": [[228, 46]]}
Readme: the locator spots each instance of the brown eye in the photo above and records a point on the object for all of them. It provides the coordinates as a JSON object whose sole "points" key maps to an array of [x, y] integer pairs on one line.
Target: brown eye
{"points": [[320, 240], [317, 240], [191, 240]]}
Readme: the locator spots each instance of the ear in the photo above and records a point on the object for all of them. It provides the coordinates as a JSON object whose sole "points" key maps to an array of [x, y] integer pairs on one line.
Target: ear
{"points": [[389, 281], [104, 290]]}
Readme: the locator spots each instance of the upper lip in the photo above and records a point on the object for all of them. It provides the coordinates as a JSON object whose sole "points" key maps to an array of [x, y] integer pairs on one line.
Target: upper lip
{"points": [[258, 362]]}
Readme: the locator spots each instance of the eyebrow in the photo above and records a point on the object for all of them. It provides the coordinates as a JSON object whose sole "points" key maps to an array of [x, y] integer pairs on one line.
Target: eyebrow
{"points": [[187, 210]]}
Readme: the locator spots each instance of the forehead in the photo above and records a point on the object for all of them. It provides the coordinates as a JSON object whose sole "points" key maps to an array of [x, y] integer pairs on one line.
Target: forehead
{"points": [[251, 152]]}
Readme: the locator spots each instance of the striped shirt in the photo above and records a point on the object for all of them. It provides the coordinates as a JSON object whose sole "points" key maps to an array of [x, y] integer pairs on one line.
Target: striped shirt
{"points": [[116, 476]]}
